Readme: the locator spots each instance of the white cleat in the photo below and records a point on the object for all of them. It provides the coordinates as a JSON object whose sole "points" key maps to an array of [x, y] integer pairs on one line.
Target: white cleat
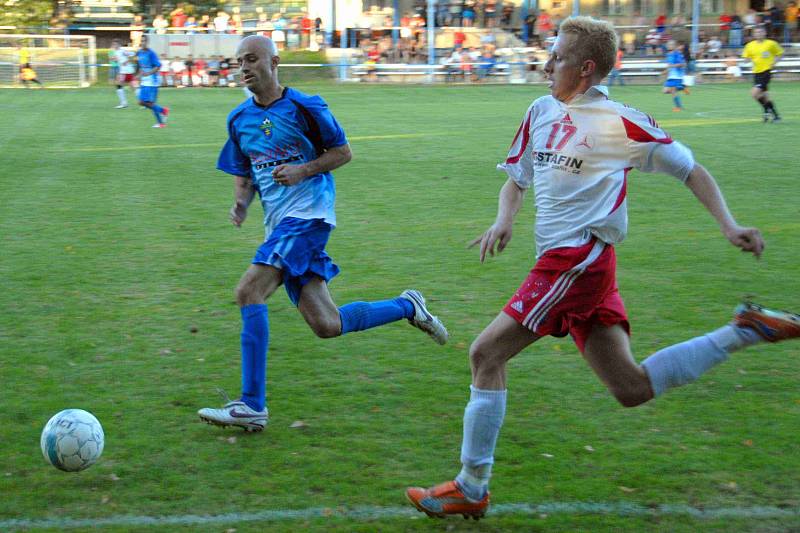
{"points": [[423, 319], [121, 106], [236, 413]]}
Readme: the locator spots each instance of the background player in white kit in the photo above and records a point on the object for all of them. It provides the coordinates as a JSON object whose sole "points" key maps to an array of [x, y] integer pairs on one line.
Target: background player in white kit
{"points": [[127, 72], [575, 148]]}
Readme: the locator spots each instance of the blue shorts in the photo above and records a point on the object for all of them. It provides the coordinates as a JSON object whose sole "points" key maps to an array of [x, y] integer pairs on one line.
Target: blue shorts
{"points": [[674, 82], [297, 247], [148, 94]]}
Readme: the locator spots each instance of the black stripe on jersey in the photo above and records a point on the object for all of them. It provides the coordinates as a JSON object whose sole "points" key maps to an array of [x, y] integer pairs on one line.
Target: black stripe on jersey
{"points": [[314, 134]]}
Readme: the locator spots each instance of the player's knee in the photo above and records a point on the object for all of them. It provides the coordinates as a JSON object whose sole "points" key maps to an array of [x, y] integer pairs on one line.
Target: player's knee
{"points": [[326, 327], [247, 293], [631, 395], [481, 357]]}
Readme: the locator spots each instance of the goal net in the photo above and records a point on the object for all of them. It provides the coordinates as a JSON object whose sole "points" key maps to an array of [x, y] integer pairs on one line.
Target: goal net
{"points": [[57, 60]]}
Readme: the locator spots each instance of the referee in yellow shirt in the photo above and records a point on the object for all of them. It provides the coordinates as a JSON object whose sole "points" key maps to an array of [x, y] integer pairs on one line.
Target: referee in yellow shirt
{"points": [[764, 53]]}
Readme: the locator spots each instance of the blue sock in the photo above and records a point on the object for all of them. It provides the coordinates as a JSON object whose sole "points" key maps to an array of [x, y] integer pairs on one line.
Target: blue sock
{"points": [[158, 109], [358, 316], [157, 113], [677, 100], [255, 338]]}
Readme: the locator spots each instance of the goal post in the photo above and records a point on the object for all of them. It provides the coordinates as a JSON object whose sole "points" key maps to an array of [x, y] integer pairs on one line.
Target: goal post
{"points": [[58, 60]]}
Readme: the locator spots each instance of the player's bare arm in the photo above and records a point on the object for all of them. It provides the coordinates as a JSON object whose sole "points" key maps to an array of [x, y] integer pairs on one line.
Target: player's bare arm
{"points": [[332, 159], [243, 195], [499, 234], [705, 188]]}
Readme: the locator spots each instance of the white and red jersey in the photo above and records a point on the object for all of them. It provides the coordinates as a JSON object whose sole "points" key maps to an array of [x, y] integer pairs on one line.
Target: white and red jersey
{"points": [[577, 156], [124, 60]]}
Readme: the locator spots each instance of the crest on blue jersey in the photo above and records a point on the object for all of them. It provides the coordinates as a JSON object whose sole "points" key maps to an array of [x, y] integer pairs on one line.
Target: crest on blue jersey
{"points": [[266, 127]]}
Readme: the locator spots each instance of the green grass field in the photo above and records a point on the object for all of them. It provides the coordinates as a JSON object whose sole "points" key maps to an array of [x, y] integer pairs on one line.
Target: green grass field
{"points": [[118, 265]]}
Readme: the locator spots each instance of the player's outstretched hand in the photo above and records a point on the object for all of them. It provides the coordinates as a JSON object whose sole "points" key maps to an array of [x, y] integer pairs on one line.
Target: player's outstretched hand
{"points": [[238, 214], [498, 234], [288, 174], [747, 239]]}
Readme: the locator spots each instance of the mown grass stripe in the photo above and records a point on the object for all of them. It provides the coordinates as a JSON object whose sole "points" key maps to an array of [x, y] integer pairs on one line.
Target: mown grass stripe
{"points": [[219, 145]]}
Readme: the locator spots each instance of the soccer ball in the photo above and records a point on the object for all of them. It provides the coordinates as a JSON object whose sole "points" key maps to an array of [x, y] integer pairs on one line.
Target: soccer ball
{"points": [[72, 440]]}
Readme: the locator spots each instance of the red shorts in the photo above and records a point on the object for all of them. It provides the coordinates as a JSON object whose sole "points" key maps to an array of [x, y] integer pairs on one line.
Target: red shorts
{"points": [[126, 78], [568, 291]]}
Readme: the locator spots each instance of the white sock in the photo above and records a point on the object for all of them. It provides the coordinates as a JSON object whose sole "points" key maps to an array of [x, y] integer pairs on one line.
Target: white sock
{"points": [[483, 418], [685, 362], [121, 95]]}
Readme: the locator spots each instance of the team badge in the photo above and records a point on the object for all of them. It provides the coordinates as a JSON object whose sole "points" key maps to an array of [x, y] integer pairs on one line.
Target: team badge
{"points": [[266, 127]]}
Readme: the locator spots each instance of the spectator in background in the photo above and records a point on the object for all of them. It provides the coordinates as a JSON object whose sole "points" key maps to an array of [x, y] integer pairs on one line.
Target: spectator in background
{"points": [[235, 24], [735, 33], [204, 23], [469, 14], [530, 26], [550, 40], [507, 15], [750, 20], [486, 63], [652, 41], [160, 24], [456, 7], [279, 33], [629, 42], [178, 67], [490, 13], [773, 20], [190, 25], [213, 71], [189, 64], [442, 14], [306, 25], [790, 16], [225, 70], [616, 70], [452, 64], [713, 47], [458, 38], [164, 70], [725, 23], [137, 30], [405, 26], [661, 23], [221, 22], [177, 17], [545, 23], [200, 70]]}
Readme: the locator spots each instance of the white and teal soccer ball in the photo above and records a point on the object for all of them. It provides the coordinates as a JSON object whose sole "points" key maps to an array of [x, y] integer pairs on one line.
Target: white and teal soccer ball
{"points": [[72, 440]]}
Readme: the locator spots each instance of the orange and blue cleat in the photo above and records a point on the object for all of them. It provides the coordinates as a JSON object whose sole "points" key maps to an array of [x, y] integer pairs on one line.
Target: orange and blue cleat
{"points": [[447, 499], [772, 326]]}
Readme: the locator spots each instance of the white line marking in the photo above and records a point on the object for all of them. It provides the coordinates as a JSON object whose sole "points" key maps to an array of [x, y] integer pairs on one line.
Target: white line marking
{"points": [[364, 513]]}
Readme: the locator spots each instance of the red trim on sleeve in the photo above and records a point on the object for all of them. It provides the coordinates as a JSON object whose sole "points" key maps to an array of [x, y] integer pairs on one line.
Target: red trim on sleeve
{"points": [[525, 128], [622, 192], [636, 133]]}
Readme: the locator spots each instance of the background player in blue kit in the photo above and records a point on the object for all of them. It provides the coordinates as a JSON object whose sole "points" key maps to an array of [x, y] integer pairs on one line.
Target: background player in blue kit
{"points": [[676, 67], [283, 145], [150, 79]]}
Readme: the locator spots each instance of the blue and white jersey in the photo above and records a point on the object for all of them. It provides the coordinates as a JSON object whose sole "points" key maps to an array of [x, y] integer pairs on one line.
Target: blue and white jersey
{"points": [[147, 60], [294, 129], [675, 58]]}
